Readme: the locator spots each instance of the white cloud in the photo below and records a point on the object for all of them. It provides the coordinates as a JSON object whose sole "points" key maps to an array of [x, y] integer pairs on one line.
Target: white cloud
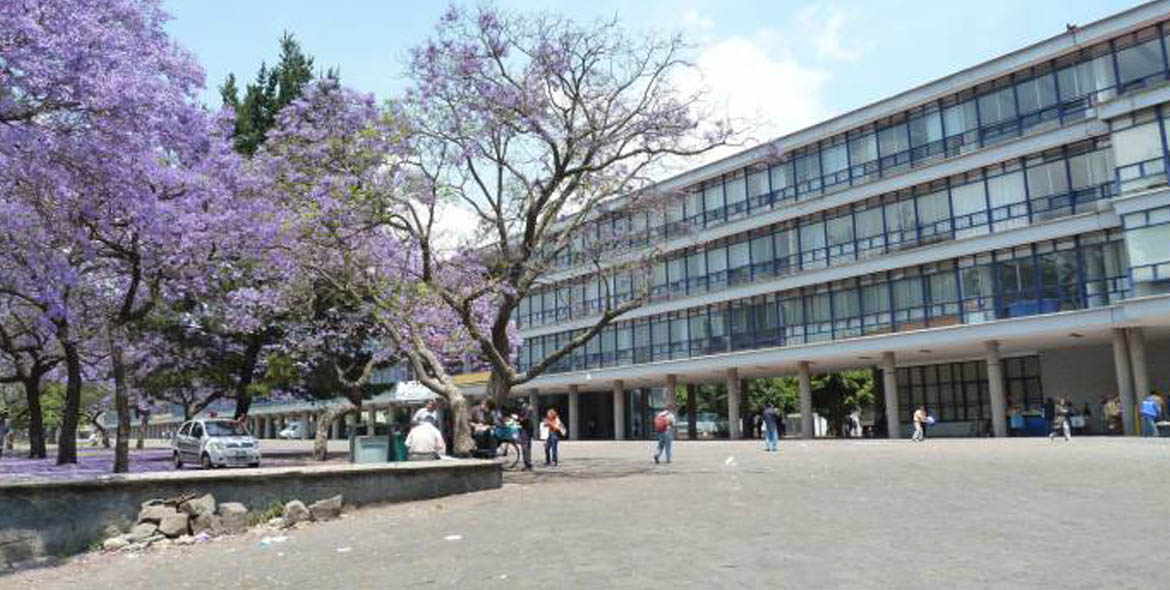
{"points": [[764, 91], [692, 18], [823, 22]]}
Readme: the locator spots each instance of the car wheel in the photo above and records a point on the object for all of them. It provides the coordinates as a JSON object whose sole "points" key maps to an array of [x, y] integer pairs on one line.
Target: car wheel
{"points": [[205, 462], [178, 460]]}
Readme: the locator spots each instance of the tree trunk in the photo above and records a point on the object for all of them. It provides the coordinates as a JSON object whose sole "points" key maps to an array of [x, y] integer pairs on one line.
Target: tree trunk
{"points": [[247, 375], [121, 403], [67, 438], [324, 423], [498, 389], [101, 430], [36, 417], [461, 441]]}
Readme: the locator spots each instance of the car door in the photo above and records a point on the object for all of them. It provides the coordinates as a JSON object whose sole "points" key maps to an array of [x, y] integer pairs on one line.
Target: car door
{"points": [[181, 441], [196, 441]]}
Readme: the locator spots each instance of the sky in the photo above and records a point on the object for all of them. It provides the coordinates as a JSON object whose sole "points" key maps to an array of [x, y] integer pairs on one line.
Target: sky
{"points": [[777, 66]]}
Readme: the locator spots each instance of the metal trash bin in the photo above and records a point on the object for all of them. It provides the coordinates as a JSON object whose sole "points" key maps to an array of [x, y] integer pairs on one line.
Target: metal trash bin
{"points": [[369, 449]]}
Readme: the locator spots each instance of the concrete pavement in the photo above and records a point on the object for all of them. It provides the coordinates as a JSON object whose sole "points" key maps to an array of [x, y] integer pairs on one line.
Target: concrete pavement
{"points": [[987, 513]]}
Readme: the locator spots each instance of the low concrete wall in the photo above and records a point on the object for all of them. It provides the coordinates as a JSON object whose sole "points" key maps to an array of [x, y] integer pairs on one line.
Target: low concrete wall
{"points": [[54, 518]]}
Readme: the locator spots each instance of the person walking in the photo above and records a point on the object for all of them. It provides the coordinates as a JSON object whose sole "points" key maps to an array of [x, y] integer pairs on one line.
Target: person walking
{"points": [[664, 425], [525, 436], [425, 442], [429, 411], [552, 442], [771, 428], [3, 432], [1060, 421], [919, 424], [1151, 410]]}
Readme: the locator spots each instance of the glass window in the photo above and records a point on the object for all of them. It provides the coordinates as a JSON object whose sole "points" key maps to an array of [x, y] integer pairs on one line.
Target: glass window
{"points": [[781, 176], [812, 243], [997, 106], [840, 230], [1140, 61], [970, 205], [926, 129], [1091, 169], [762, 251], [902, 222], [863, 149], [893, 140], [933, 208], [738, 255], [1047, 179], [961, 117], [869, 222], [758, 183], [834, 160], [1148, 245], [713, 197], [716, 259], [808, 167], [697, 265], [736, 194], [1006, 193], [1137, 144], [1036, 94], [1086, 78]]}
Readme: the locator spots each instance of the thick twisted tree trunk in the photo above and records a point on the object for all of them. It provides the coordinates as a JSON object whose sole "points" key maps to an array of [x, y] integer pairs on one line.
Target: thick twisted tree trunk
{"points": [[498, 388], [121, 403], [461, 441], [67, 438], [325, 421], [36, 417]]}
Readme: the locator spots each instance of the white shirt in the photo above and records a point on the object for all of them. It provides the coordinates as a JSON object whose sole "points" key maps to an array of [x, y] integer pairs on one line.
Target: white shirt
{"points": [[423, 413], [425, 438]]}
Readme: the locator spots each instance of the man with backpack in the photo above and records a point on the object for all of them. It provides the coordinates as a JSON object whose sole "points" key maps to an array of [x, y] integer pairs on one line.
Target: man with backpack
{"points": [[664, 423]]}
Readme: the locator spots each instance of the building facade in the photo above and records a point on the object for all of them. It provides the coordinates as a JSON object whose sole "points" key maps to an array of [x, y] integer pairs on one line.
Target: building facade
{"points": [[989, 239]]}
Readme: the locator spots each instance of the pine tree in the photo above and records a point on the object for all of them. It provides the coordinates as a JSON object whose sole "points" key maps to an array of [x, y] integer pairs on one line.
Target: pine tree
{"points": [[272, 90]]}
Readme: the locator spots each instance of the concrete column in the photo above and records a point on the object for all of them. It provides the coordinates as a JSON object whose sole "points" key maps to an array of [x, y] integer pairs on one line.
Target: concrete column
{"points": [[534, 408], [672, 390], [1137, 363], [995, 390], [574, 413], [619, 410], [1121, 366], [304, 426], [373, 420], [890, 385], [806, 409], [692, 411], [734, 424]]}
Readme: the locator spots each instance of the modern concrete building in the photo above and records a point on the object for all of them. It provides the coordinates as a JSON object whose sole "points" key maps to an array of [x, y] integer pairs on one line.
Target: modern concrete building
{"points": [[989, 239]]}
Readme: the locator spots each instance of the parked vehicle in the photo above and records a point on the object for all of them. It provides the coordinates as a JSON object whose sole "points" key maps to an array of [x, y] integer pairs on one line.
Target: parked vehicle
{"points": [[295, 431], [215, 443]]}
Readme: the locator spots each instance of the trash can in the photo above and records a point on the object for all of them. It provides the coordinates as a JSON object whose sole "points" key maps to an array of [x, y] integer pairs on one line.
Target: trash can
{"points": [[369, 449], [398, 446]]}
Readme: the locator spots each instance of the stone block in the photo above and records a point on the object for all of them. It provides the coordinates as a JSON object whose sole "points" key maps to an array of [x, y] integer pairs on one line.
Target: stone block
{"points": [[211, 524], [295, 512], [143, 530], [326, 509], [174, 525], [155, 513], [234, 517], [115, 543], [204, 504]]}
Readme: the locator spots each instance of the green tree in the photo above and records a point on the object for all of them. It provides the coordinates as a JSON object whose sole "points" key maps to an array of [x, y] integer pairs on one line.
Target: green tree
{"points": [[836, 395], [273, 89]]}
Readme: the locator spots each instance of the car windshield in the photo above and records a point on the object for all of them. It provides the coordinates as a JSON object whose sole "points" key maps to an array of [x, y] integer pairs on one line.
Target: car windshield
{"points": [[225, 428]]}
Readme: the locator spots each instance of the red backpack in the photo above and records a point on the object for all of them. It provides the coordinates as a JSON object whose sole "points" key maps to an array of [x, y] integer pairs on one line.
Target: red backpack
{"points": [[661, 423]]}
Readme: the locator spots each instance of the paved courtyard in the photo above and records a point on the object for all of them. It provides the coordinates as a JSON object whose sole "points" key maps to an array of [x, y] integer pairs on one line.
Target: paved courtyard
{"points": [[1016, 513]]}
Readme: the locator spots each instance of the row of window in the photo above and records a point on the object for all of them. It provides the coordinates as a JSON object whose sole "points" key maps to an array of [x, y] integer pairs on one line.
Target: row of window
{"points": [[959, 391], [1051, 93], [1057, 183], [1072, 273]]}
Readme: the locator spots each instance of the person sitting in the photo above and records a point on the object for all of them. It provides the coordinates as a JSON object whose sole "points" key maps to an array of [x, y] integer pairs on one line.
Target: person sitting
{"points": [[483, 422], [425, 442]]}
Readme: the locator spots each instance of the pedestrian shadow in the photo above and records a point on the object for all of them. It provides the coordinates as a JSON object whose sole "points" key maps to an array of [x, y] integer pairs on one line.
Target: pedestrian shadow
{"points": [[584, 469]]}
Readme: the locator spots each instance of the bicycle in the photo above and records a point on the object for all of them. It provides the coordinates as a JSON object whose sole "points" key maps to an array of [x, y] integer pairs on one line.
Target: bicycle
{"points": [[507, 452]]}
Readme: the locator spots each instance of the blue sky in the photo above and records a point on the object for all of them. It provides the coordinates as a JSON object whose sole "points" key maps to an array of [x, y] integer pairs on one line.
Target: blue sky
{"points": [[784, 64]]}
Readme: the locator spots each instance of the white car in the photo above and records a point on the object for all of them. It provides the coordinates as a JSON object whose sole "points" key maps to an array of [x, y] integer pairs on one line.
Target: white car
{"points": [[294, 431], [215, 443]]}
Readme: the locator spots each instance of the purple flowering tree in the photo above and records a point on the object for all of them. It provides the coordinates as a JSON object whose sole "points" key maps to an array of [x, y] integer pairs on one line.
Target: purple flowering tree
{"points": [[28, 354], [117, 186], [539, 125]]}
